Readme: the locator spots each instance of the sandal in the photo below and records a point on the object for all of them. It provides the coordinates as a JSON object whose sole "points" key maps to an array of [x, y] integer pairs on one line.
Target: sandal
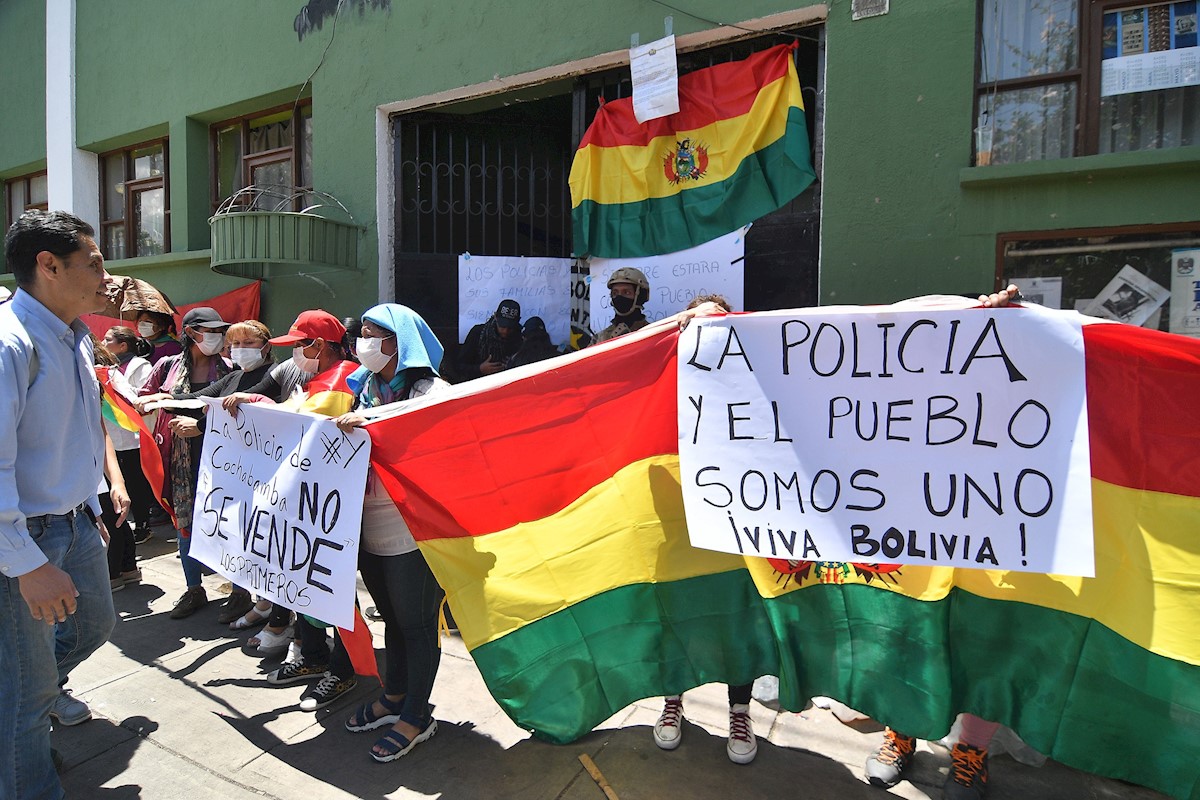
{"points": [[366, 713], [250, 619], [395, 744]]}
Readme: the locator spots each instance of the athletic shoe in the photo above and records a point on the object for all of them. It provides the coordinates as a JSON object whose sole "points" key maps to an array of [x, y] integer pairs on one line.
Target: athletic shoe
{"points": [[968, 773], [668, 732], [887, 765], [742, 746], [328, 689], [297, 672], [68, 710]]}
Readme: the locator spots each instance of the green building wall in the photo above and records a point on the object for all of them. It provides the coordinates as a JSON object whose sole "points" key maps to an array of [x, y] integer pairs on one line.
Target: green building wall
{"points": [[903, 212], [22, 88]]}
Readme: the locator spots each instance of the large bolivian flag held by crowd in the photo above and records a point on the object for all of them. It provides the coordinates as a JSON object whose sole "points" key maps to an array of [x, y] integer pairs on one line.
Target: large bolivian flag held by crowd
{"points": [[549, 506], [737, 149]]}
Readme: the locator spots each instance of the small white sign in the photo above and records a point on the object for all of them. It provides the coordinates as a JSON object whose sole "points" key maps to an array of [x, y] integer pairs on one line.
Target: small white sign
{"points": [[541, 285], [1046, 292], [1145, 72], [1129, 297], [1185, 292], [279, 507], [655, 79], [888, 436], [716, 267]]}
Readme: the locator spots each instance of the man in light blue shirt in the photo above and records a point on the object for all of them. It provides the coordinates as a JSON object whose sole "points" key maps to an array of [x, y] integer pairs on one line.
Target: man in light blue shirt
{"points": [[55, 599]]}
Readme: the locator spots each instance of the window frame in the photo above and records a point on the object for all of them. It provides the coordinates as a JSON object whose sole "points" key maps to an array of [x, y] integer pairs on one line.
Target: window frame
{"points": [[10, 214], [27, 179], [251, 160], [1007, 239], [134, 186], [1089, 28]]}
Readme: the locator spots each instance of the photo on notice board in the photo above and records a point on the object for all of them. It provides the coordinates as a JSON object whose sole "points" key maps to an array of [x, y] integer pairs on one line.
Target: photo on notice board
{"points": [[1129, 297]]}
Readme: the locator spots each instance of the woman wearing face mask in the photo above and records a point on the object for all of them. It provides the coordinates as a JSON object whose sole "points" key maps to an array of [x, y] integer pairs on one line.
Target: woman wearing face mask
{"points": [[314, 379], [400, 356], [193, 369], [253, 359], [159, 330]]}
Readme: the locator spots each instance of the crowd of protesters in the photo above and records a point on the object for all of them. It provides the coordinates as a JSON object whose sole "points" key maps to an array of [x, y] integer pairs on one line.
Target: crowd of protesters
{"points": [[57, 608]]}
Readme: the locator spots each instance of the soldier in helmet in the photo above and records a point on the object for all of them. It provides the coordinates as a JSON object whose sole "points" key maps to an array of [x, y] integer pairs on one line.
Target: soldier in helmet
{"points": [[630, 291]]}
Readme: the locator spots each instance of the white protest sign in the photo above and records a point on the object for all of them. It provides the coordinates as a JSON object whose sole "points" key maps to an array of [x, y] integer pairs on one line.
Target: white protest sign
{"points": [[279, 507], [951, 438], [716, 267], [541, 285]]}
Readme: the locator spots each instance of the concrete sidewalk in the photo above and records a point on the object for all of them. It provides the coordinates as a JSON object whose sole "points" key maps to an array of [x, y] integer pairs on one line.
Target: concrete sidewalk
{"points": [[182, 710]]}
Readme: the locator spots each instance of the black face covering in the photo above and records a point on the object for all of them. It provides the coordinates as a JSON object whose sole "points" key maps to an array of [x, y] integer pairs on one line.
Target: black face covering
{"points": [[622, 305]]}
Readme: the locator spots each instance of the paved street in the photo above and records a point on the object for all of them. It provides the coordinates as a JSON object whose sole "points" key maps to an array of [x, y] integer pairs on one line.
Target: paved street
{"points": [[182, 710]]}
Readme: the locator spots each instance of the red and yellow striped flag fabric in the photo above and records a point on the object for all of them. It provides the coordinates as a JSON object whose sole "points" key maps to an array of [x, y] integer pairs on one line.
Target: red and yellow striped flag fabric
{"points": [[116, 408], [549, 505], [737, 149]]}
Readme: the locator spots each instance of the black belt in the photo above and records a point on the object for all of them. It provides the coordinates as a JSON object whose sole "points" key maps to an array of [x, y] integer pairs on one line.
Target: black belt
{"points": [[82, 508]]}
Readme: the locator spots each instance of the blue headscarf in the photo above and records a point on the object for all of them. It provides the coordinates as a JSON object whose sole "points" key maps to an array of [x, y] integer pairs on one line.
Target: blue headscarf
{"points": [[416, 344]]}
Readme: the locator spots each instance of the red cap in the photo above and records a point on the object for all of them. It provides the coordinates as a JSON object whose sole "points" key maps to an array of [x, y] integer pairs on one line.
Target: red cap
{"points": [[314, 324]]}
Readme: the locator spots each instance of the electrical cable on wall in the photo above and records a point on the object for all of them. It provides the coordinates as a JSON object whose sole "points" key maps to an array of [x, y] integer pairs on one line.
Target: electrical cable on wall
{"points": [[332, 33]]}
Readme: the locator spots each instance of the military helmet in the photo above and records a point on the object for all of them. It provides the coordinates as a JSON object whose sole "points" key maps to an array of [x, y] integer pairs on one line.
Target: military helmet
{"points": [[631, 275]]}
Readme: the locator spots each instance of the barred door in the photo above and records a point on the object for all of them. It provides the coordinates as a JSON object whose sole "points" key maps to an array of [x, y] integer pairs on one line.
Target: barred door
{"points": [[494, 182]]}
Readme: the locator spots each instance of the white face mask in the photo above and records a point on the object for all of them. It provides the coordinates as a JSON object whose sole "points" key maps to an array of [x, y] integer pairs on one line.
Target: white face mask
{"points": [[145, 329], [211, 344], [306, 364], [246, 357], [371, 355]]}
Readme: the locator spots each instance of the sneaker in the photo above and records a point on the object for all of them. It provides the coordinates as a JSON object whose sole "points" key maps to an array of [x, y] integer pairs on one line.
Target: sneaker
{"points": [[237, 604], [296, 672], [373, 613], [887, 765], [116, 584], [189, 603], [142, 535], [68, 710], [668, 732], [328, 689], [968, 773], [742, 746], [132, 577]]}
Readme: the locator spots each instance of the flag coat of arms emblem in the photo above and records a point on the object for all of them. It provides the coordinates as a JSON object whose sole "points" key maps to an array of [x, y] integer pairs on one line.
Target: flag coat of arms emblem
{"points": [[737, 149]]}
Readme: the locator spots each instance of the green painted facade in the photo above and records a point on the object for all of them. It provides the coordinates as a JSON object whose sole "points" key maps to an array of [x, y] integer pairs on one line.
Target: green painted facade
{"points": [[22, 88], [903, 212]]}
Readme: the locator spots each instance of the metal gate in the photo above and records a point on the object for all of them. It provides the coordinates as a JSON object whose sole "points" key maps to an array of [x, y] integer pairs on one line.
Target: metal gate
{"points": [[494, 182]]}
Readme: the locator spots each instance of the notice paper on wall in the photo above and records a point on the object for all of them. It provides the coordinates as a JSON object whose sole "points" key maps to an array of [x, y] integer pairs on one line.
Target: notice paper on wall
{"points": [[655, 79], [1185, 292], [1130, 297]]}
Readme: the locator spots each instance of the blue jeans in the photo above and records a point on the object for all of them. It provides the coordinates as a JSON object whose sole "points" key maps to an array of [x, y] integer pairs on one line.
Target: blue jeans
{"points": [[38, 657], [192, 571], [407, 596]]}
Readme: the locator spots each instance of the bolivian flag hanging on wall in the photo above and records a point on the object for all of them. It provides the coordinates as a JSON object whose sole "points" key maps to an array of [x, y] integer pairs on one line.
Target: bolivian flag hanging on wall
{"points": [[736, 150]]}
